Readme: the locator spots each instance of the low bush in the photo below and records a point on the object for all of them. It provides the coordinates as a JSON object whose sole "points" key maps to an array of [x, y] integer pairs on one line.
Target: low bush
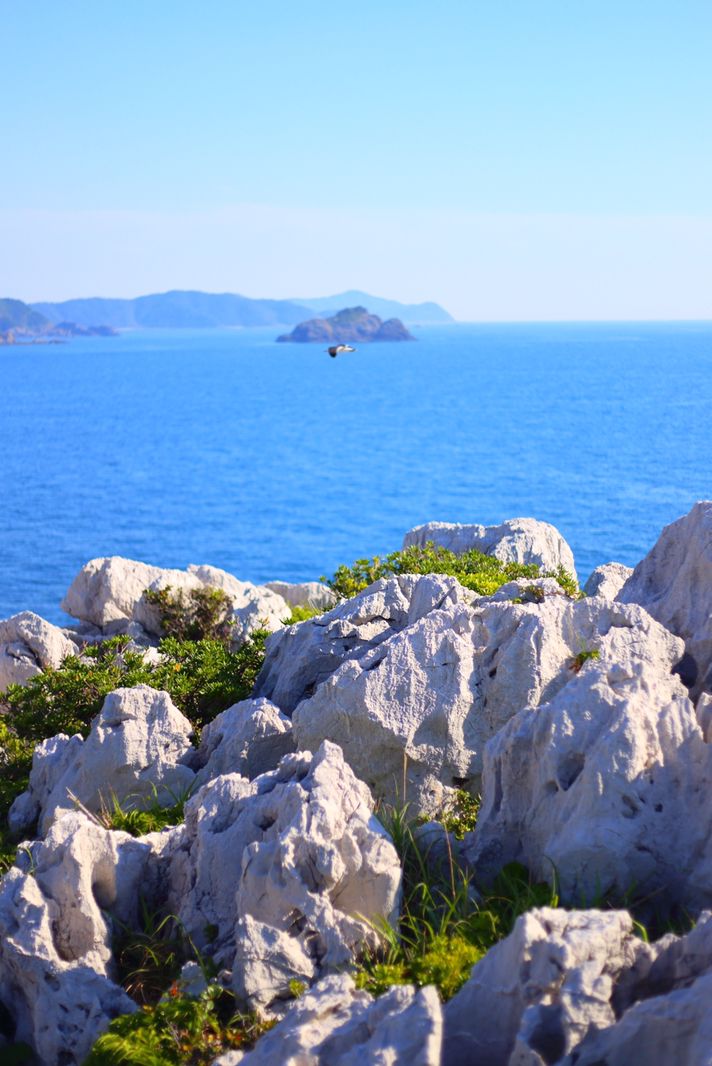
{"points": [[202, 677], [198, 614], [482, 573]]}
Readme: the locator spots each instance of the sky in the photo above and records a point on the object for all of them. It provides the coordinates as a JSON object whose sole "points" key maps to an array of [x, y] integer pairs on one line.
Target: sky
{"points": [[512, 160]]}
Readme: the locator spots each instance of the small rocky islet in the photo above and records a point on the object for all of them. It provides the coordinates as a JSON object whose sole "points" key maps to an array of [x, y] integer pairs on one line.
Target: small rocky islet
{"points": [[325, 805], [353, 325]]}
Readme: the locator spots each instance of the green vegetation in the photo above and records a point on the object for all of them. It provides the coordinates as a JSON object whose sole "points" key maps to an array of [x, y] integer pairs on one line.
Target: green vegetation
{"points": [[445, 926], [138, 822], [302, 613], [201, 614], [178, 1031], [483, 574], [460, 816], [202, 677], [583, 657]]}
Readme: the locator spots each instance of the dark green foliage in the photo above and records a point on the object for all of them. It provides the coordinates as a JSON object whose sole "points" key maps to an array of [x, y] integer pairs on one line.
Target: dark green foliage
{"points": [[177, 1031], [444, 928], [202, 677], [460, 816], [482, 573], [149, 960], [200, 614]]}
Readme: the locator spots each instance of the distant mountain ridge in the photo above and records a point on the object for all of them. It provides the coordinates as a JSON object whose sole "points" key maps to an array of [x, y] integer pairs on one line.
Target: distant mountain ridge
{"points": [[178, 310], [424, 314], [201, 310], [20, 324]]}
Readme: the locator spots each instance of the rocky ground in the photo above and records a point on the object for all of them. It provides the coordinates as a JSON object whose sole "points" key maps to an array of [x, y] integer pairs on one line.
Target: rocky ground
{"points": [[266, 849]]}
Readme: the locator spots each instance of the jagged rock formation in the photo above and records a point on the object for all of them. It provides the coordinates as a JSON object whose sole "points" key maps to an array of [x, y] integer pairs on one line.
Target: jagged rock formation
{"points": [[585, 722], [28, 645]]}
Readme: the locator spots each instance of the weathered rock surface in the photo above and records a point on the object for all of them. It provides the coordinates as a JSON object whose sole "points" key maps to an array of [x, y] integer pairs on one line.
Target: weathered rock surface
{"points": [[607, 580], [108, 593], [28, 645], [674, 584], [300, 657], [605, 783], [135, 751], [414, 713], [306, 594], [580, 989], [289, 869], [55, 958], [249, 739], [336, 1025], [671, 1022], [520, 540]]}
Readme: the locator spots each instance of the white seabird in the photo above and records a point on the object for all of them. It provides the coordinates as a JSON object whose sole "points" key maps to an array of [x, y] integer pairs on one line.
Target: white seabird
{"points": [[337, 349]]}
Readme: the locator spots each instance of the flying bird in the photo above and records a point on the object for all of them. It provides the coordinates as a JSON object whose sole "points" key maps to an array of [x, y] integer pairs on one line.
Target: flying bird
{"points": [[338, 349]]}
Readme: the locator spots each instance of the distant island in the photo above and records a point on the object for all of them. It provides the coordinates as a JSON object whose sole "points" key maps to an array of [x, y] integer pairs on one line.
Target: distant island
{"points": [[204, 310], [349, 326], [22, 324]]}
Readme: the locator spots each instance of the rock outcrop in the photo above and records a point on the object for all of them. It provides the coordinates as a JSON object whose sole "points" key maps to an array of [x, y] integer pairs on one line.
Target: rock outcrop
{"points": [[135, 753], [413, 714], [29, 645], [580, 987], [674, 584], [520, 540], [108, 593], [586, 723], [336, 1025], [289, 870], [607, 580]]}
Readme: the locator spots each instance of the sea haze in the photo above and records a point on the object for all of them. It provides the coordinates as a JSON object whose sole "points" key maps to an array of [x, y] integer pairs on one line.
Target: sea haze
{"points": [[275, 461]]}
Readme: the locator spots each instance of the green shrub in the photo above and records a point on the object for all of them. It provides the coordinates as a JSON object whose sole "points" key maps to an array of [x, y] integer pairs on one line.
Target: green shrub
{"points": [[482, 573], [199, 614], [178, 1031], [202, 677], [460, 815]]}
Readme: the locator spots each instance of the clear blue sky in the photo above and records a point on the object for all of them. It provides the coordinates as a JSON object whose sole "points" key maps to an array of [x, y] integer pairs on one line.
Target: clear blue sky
{"points": [[517, 159]]}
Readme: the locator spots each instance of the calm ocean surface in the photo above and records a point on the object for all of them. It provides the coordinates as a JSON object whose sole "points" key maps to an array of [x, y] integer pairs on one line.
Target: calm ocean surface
{"points": [[275, 461]]}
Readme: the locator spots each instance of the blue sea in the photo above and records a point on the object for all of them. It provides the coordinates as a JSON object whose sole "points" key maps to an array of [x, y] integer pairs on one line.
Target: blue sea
{"points": [[275, 461]]}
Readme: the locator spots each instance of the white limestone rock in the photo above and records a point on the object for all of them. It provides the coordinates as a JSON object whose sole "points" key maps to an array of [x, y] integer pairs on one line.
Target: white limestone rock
{"points": [[305, 594], [674, 584], [413, 714], [520, 540], [54, 939], [539, 992], [607, 580], [300, 657], [249, 739], [671, 1021], [135, 751], [607, 783], [29, 645], [108, 593], [109, 589], [296, 850], [334, 1024]]}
